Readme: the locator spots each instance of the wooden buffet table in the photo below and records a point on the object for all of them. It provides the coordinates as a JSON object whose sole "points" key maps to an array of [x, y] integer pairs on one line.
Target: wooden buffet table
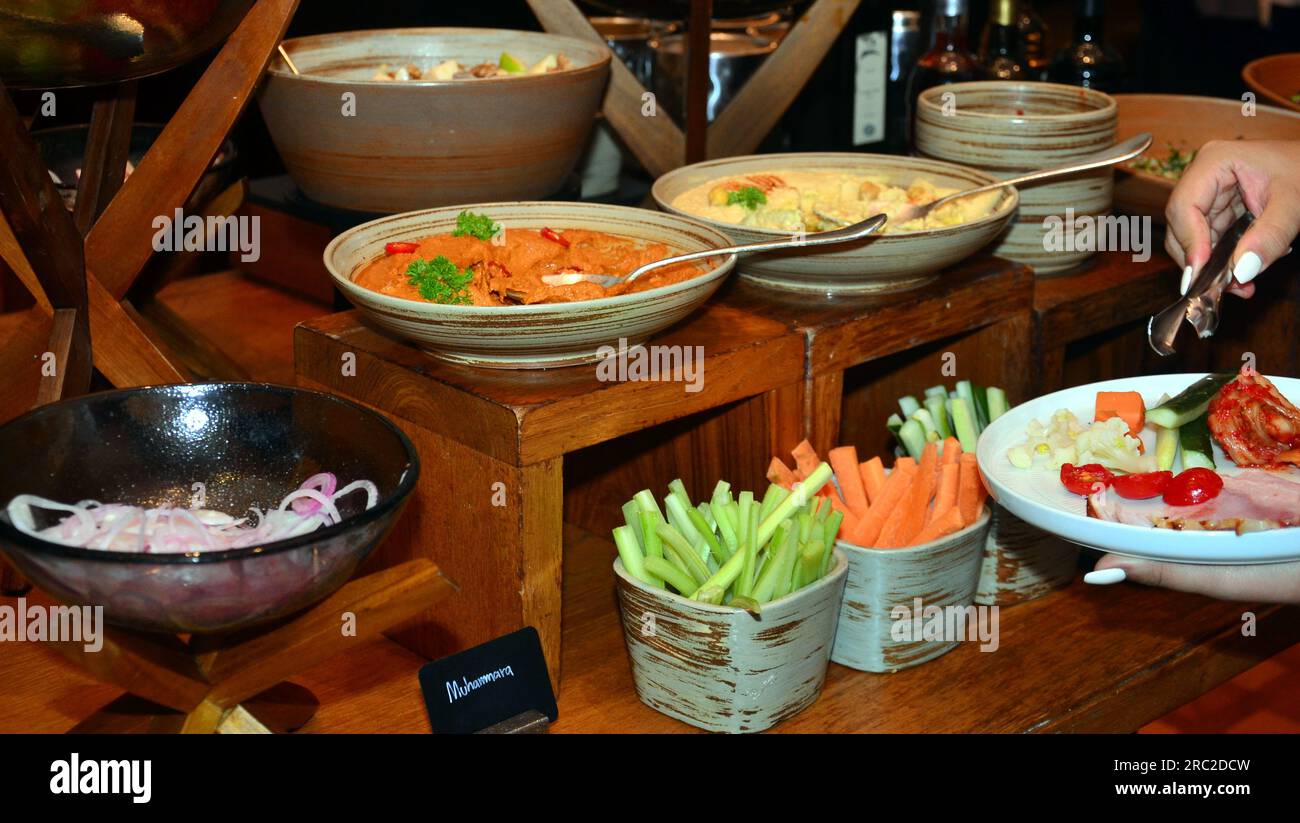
{"points": [[1084, 658]]}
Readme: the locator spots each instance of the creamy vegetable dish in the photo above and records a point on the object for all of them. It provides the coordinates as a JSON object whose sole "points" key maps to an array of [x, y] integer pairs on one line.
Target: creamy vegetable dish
{"points": [[507, 66], [824, 200]]}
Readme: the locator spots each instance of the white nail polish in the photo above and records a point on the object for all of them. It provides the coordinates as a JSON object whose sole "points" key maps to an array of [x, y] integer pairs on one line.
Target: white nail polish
{"points": [[1187, 281], [1104, 577], [1247, 267]]}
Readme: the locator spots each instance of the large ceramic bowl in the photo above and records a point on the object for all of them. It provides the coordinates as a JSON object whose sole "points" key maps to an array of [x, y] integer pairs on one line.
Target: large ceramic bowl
{"points": [[1276, 78], [882, 263], [1008, 128], [249, 444], [539, 335], [386, 146], [1186, 122], [53, 44]]}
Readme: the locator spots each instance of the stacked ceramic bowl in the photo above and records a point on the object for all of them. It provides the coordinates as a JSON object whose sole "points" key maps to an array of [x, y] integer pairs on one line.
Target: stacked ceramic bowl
{"points": [[1008, 128]]}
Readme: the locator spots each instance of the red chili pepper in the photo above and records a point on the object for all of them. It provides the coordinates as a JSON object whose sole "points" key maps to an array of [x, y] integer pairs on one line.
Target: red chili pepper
{"points": [[1084, 480], [1143, 485], [550, 235], [401, 248], [1193, 487]]}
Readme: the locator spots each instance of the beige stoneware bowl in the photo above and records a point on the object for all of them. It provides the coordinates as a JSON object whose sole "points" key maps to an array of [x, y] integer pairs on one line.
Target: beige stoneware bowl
{"points": [[540, 335], [377, 146], [1008, 128], [1186, 122], [882, 263]]}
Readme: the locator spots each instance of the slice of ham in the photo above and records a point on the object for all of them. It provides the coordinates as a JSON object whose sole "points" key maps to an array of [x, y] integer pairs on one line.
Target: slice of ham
{"points": [[1255, 500]]}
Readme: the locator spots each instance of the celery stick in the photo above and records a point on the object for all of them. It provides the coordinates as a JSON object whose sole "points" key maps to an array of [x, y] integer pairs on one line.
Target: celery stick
{"points": [[809, 567], [651, 541], [913, 437], [716, 586], [630, 552], [721, 493], [647, 503], [678, 489], [723, 514], [785, 571], [746, 502], [720, 554], [768, 577], [831, 528], [680, 520], [775, 495], [966, 391], [690, 560], [828, 554], [806, 524], [751, 547], [909, 405], [937, 391], [997, 403], [632, 517], [939, 414], [803, 492], [964, 422], [678, 579], [749, 604], [709, 520]]}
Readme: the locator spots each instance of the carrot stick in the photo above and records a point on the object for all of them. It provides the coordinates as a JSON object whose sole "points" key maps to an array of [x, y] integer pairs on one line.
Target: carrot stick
{"points": [[873, 477], [946, 497], [951, 450], [970, 489], [904, 461], [909, 520], [895, 486], [845, 462], [779, 473], [941, 526], [805, 457]]}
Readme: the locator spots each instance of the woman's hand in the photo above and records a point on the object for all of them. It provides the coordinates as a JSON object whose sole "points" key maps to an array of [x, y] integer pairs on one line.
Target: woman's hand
{"points": [[1272, 583], [1262, 176]]}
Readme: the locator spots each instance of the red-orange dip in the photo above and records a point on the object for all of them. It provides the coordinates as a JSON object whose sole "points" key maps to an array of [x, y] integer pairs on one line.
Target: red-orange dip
{"points": [[510, 272]]}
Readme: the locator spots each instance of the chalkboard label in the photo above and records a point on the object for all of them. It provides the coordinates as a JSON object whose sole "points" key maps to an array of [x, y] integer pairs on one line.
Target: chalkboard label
{"points": [[480, 687]]}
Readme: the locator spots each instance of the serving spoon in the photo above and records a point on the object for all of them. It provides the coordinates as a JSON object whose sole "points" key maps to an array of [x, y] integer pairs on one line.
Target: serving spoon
{"points": [[857, 231], [1117, 153]]}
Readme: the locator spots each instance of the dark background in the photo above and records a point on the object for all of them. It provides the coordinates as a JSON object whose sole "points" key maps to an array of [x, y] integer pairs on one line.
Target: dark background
{"points": [[1168, 46]]}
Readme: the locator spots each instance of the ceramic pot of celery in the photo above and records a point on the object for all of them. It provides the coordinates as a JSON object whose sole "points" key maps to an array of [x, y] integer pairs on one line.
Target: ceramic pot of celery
{"points": [[729, 608]]}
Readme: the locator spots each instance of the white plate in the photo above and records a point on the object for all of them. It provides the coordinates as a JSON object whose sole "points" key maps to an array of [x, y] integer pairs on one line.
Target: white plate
{"points": [[1037, 496]]}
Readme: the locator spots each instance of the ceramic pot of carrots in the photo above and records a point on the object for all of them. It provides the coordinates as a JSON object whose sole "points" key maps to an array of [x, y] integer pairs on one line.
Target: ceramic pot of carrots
{"points": [[913, 537], [729, 606]]}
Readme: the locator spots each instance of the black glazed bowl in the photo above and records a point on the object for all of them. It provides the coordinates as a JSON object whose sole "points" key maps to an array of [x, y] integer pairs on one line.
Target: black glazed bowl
{"points": [[250, 444]]}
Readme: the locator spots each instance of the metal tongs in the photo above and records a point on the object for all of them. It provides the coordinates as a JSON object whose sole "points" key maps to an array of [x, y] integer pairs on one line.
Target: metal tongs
{"points": [[1200, 306]]}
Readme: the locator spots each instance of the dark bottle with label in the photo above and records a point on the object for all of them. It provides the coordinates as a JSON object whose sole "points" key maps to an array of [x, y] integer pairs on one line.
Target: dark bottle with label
{"points": [[948, 60], [1000, 55], [844, 107], [1088, 61]]}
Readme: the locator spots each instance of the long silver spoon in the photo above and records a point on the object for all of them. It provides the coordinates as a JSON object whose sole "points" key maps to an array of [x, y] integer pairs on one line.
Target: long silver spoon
{"points": [[857, 231], [1117, 153]]}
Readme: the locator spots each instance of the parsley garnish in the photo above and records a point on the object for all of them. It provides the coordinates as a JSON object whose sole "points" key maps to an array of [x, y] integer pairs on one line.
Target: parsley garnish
{"points": [[475, 225], [749, 197], [439, 281]]}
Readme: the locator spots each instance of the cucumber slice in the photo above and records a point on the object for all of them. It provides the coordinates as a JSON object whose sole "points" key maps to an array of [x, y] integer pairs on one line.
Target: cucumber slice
{"points": [[981, 407], [963, 420], [937, 391], [934, 404], [913, 436], [1166, 448], [1198, 449], [923, 417], [1189, 405], [909, 405]]}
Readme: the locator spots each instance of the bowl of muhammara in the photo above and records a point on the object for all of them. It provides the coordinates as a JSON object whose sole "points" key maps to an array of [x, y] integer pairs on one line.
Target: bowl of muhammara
{"points": [[465, 282]]}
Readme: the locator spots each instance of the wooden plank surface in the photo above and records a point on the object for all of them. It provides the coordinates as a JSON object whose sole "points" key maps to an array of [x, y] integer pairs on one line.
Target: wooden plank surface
{"points": [[523, 417], [1085, 658]]}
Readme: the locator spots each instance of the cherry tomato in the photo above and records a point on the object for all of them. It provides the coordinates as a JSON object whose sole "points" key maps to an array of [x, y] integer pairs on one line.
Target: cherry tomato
{"points": [[551, 235], [1141, 486], [1193, 487], [1084, 480], [401, 248]]}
